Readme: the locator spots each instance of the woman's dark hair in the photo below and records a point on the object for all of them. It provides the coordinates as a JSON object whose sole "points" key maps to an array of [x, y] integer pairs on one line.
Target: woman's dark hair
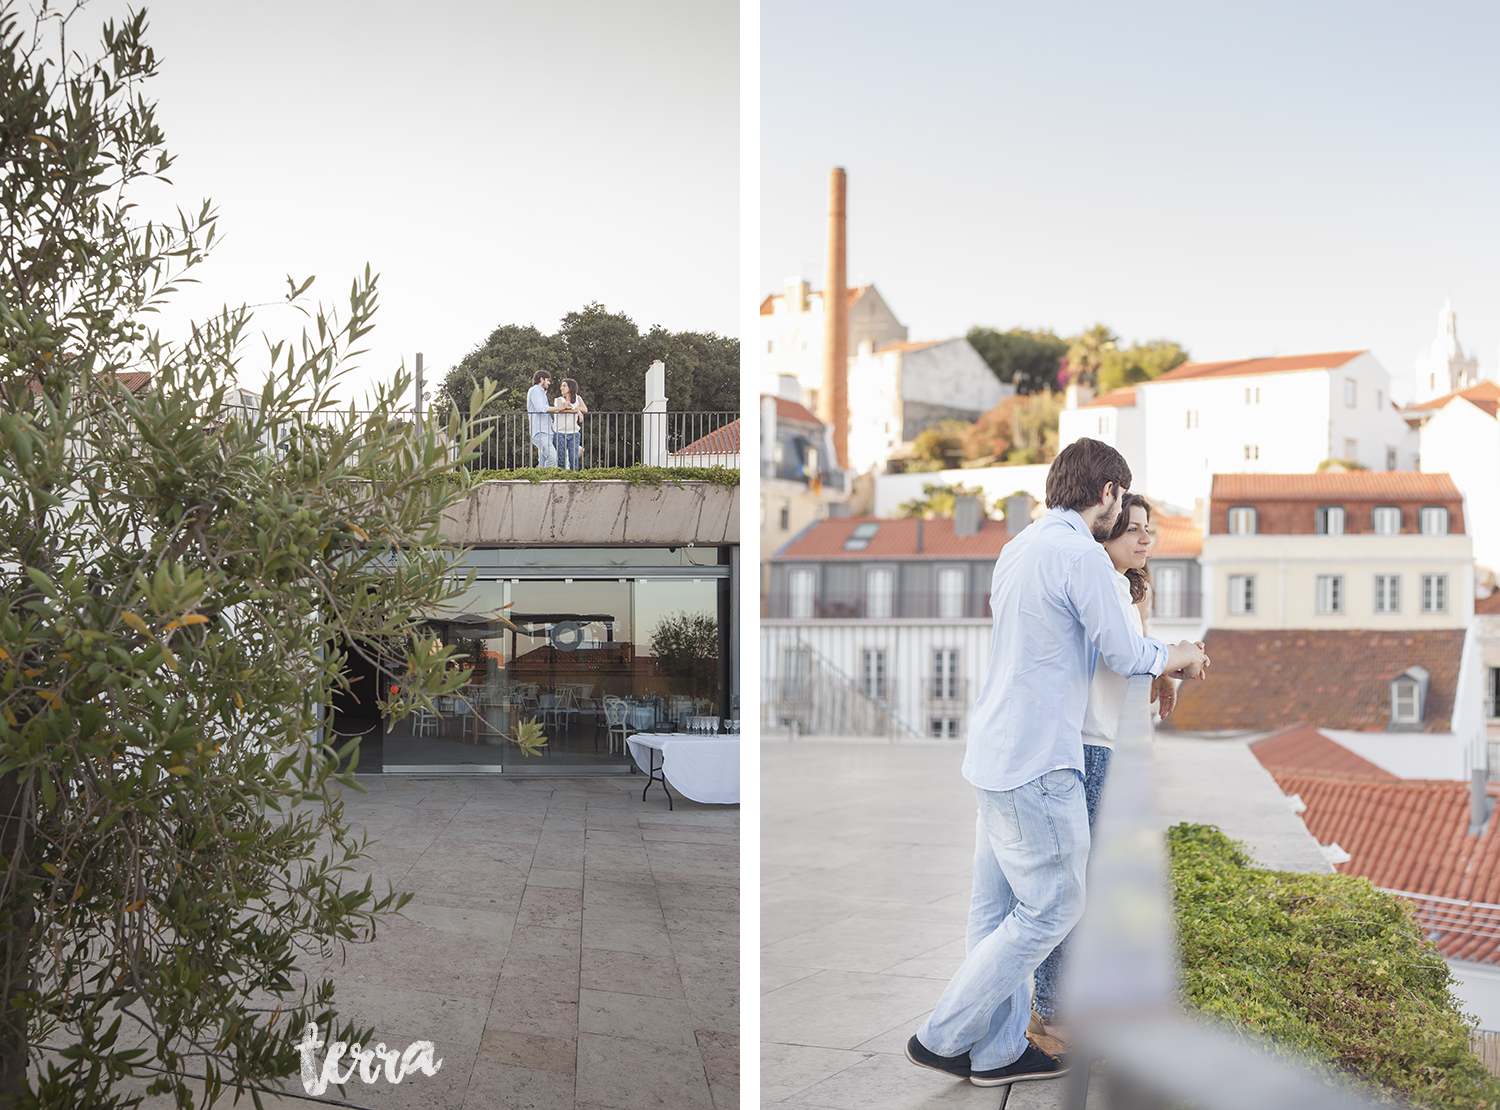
{"points": [[1077, 475], [572, 388], [1139, 579]]}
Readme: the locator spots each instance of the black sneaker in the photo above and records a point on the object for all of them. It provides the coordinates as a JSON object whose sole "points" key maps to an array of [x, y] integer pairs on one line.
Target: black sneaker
{"points": [[919, 1053], [1033, 1064]]}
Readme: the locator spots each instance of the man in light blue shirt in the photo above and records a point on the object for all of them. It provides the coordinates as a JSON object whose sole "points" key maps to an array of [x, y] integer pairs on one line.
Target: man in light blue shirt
{"points": [[1057, 613], [540, 414]]}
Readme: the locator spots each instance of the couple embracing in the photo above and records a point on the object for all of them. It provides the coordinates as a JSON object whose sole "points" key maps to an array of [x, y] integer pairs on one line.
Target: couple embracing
{"points": [[556, 432], [1066, 638]]}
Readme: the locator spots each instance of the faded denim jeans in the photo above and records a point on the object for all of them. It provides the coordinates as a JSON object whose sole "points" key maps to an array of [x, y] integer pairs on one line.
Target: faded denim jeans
{"points": [[1049, 975], [546, 450], [1031, 848]]}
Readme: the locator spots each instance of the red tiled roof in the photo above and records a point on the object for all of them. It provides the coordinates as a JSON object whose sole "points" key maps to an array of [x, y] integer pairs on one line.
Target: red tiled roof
{"points": [[1488, 606], [768, 306], [133, 380], [1302, 749], [907, 345], [1411, 836], [1176, 537], [1245, 367], [792, 410], [896, 539], [1351, 485], [1485, 396], [1122, 398], [1266, 680], [720, 441]]}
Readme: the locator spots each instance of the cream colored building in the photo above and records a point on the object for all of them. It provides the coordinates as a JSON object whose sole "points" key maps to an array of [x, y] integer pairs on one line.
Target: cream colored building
{"points": [[1460, 436], [1359, 550], [791, 335]]}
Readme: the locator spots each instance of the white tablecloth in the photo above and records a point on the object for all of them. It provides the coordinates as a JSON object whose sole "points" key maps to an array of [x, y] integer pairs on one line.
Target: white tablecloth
{"points": [[640, 716], [703, 768]]}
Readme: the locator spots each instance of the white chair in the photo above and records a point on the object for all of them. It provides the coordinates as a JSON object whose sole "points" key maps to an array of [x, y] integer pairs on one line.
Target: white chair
{"points": [[616, 714], [423, 723]]}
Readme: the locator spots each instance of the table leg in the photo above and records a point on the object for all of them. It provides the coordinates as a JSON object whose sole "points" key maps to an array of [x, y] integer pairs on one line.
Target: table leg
{"points": [[654, 777]]}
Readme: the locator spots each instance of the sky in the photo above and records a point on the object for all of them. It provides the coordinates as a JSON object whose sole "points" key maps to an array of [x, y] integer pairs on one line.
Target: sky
{"points": [[493, 161], [1245, 178]]}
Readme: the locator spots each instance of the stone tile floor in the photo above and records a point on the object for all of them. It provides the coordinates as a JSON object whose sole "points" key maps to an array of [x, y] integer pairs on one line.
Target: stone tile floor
{"points": [[866, 851], [568, 946]]}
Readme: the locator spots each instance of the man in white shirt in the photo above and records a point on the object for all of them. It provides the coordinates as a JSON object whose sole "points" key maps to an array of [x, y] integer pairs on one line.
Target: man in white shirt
{"points": [[1056, 614], [540, 414]]}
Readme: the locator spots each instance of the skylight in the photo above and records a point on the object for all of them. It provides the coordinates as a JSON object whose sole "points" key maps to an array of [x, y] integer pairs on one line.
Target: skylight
{"points": [[860, 538]]}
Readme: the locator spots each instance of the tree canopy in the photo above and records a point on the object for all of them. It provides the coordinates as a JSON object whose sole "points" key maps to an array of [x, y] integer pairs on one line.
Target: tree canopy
{"points": [[1026, 359], [1037, 361], [606, 353]]}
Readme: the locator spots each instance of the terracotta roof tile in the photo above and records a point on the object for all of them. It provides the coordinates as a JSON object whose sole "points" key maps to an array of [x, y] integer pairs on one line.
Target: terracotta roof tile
{"points": [[1412, 836], [1122, 398], [1302, 749], [1267, 680], [792, 410], [907, 345], [768, 306], [1485, 396], [1176, 537], [720, 441], [896, 539], [1244, 367], [1488, 606], [1352, 485]]}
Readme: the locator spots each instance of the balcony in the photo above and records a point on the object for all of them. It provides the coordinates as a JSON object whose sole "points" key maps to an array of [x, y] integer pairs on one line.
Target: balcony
{"points": [[907, 605]]}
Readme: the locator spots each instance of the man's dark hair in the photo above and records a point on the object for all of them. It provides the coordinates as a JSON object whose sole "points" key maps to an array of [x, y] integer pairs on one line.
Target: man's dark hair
{"points": [[1079, 472], [536, 379]]}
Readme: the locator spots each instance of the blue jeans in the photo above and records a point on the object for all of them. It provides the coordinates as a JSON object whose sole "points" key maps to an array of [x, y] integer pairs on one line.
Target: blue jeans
{"points": [[1031, 847], [1048, 975], [545, 450], [567, 444]]}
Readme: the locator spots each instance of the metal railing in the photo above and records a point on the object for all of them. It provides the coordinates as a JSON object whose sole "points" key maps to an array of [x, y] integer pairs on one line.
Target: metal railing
{"points": [[946, 692], [811, 696], [1123, 980], [1183, 605], [613, 439], [929, 604]]}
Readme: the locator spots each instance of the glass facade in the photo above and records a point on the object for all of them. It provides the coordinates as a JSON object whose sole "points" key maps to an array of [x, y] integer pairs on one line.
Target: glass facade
{"points": [[588, 645]]}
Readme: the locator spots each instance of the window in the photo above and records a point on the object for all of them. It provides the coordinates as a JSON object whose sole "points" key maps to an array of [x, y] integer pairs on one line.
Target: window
{"points": [[1390, 458], [1168, 583], [796, 665], [1404, 706], [1350, 392], [1330, 593], [1104, 425], [770, 346], [1434, 520], [1252, 396], [1242, 522], [860, 538], [1241, 594], [1434, 593], [945, 674], [1252, 451], [786, 516], [1379, 400], [872, 673], [802, 588], [1387, 593], [1351, 449], [1386, 520], [944, 728], [1492, 693], [1331, 520], [1192, 418], [950, 582], [880, 591]]}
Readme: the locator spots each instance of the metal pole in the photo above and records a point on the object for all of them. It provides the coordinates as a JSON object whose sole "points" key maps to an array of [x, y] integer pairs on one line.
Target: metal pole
{"points": [[417, 403]]}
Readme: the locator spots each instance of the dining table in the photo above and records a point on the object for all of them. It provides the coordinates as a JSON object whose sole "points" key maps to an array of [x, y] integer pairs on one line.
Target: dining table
{"points": [[705, 768]]}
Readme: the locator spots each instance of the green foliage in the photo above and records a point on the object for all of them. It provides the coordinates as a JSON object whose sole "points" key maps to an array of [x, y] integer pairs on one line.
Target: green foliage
{"points": [[940, 446], [635, 475], [1340, 466], [182, 579], [530, 737], [937, 501], [1019, 430], [1324, 965], [686, 645], [608, 356], [1140, 362], [1026, 359]]}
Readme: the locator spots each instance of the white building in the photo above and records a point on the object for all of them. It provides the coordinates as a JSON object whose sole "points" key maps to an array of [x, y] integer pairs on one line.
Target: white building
{"points": [[897, 391], [791, 334], [1444, 368], [1113, 418], [1460, 435], [1281, 415]]}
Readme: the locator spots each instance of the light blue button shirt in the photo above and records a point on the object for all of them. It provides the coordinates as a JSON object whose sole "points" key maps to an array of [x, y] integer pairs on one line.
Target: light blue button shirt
{"points": [[1057, 613], [536, 405]]}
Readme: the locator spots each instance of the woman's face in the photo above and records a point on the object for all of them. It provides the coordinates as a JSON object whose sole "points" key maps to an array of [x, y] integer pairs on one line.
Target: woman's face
{"points": [[566, 392], [1128, 550]]}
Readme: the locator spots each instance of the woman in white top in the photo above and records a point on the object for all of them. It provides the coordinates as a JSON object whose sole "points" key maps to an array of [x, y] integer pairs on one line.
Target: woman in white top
{"points": [[1127, 546], [567, 428]]}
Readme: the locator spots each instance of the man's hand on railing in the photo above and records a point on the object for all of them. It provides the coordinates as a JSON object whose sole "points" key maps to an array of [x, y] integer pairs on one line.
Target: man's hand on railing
{"points": [[1187, 660], [1164, 694]]}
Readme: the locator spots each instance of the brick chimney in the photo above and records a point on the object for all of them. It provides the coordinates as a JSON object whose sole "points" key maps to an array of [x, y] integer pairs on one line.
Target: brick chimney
{"points": [[833, 401]]}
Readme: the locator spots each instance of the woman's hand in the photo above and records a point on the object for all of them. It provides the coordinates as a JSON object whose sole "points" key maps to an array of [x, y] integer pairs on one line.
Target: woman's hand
{"points": [[1164, 693]]}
